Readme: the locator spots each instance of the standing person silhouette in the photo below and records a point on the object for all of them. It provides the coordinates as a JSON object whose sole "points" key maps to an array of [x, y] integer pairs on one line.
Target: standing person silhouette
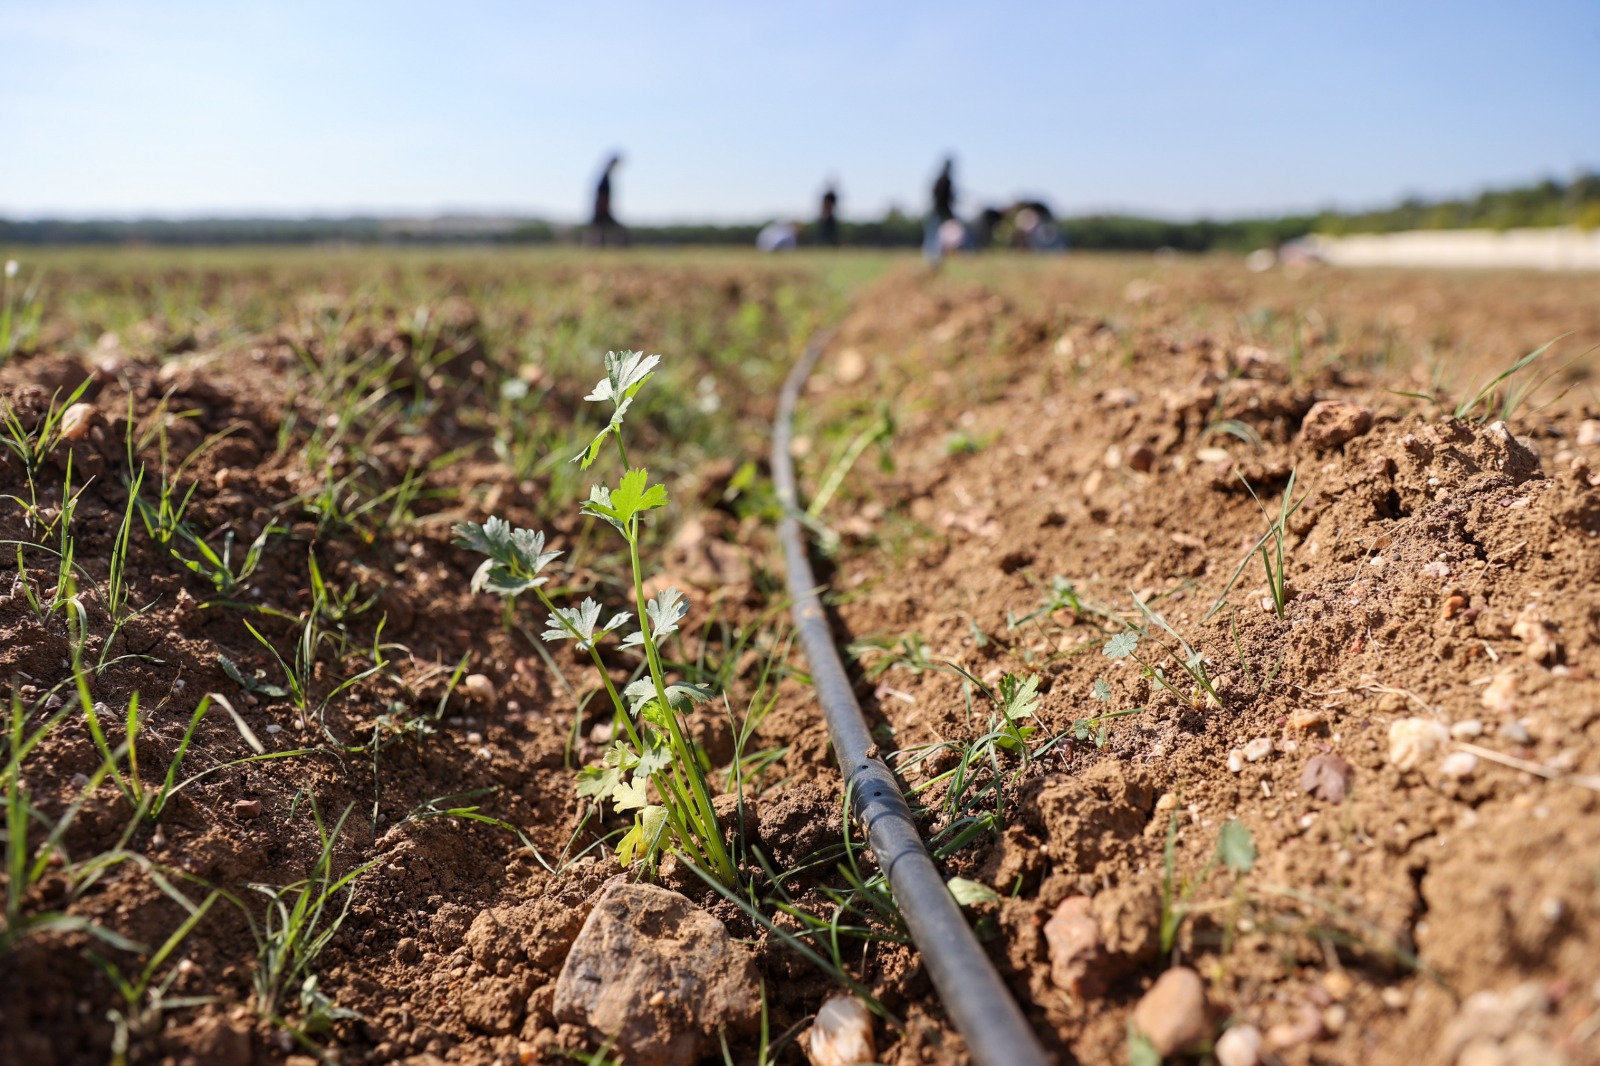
{"points": [[827, 220], [604, 229], [943, 232]]}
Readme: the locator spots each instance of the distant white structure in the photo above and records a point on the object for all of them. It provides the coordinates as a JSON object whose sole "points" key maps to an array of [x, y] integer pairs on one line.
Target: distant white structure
{"points": [[778, 237], [1556, 248]]}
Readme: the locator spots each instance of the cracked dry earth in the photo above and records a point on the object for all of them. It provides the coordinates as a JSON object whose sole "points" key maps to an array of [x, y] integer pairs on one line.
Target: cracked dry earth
{"points": [[1411, 747]]}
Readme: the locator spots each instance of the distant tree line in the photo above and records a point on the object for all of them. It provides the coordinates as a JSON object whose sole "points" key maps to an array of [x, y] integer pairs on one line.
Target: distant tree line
{"points": [[1548, 203]]}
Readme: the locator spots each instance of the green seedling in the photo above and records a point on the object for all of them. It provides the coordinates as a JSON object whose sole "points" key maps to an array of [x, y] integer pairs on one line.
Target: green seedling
{"points": [[1125, 645], [144, 1000], [1236, 850], [21, 311], [301, 920], [910, 652], [880, 431], [1502, 395], [219, 570], [1272, 551], [655, 750], [32, 448]]}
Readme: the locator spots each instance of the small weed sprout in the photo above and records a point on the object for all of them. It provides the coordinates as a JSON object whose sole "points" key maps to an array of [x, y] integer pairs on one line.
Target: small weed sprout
{"points": [[1125, 645], [1271, 544], [656, 750], [1236, 849]]}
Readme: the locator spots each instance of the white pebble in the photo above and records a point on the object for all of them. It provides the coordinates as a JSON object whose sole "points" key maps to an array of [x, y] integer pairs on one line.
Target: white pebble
{"points": [[1458, 764], [1236, 761], [842, 1033], [1467, 729], [1413, 740], [1239, 1046], [1258, 749]]}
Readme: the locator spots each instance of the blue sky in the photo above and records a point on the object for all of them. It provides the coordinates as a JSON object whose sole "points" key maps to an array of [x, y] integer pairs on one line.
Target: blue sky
{"points": [[743, 110]]}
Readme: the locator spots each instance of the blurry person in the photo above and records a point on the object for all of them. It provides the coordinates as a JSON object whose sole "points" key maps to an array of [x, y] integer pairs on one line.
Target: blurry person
{"points": [[944, 192], [605, 229], [778, 237], [943, 232], [827, 219]]}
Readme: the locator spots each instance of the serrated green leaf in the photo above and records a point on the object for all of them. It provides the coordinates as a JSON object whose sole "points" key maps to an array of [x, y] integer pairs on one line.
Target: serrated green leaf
{"points": [[634, 494], [599, 781], [1019, 698], [1236, 847], [1122, 645], [631, 796], [970, 893]]}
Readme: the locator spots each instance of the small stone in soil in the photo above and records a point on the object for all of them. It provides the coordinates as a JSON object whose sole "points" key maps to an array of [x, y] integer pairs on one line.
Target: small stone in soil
{"points": [[245, 809], [1258, 749], [1458, 764], [842, 1033], [1327, 777], [1501, 695], [1331, 423], [1173, 1013], [1073, 935], [1413, 740], [1239, 1046]]}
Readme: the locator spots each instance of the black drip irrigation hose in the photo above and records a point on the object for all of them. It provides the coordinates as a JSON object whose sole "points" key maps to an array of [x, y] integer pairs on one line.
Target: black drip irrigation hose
{"points": [[973, 994]]}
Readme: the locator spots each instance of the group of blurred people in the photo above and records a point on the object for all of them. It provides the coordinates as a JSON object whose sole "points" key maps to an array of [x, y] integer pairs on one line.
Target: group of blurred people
{"points": [[1026, 224]]}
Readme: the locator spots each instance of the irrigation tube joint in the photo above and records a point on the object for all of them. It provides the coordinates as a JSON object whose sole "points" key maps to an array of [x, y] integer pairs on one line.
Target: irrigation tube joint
{"points": [[973, 994]]}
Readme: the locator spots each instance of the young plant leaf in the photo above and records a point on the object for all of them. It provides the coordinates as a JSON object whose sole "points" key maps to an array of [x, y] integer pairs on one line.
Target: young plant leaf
{"points": [[1122, 645], [970, 893], [1236, 847]]}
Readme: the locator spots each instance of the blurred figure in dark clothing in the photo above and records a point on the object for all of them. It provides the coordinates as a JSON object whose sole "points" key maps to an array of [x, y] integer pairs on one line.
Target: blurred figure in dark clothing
{"points": [[944, 192], [827, 220], [943, 232], [604, 229]]}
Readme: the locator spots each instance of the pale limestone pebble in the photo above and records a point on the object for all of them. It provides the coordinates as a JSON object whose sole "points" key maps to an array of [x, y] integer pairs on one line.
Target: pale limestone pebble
{"points": [[1458, 765], [1466, 729], [1589, 432], [1241, 1045], [1306, 1027], [1413, 740], [76, 420], [1258, 749], [1236, 761], [1537, 635], [1438, 570], [842, 1034], [1173, 1014], [480, 689], [1494, 1028], [1501, 694], [1073, 936], [1307, 718]]}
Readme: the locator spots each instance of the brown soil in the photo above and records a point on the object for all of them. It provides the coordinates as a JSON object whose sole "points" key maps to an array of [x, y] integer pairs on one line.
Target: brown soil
{"points": [[1082, 420]]}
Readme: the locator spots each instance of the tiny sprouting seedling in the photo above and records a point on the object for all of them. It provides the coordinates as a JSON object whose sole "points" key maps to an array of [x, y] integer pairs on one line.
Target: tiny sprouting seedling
{"points": [[1096, 729], [655, 750], [1273, 561], [219, 570], [1502, 395], [1272, 551], [910, 652], [21, 310], [880, 431], [1236, 850], [1125, 645], [144, 1000], [301, 920], [32, 448]]}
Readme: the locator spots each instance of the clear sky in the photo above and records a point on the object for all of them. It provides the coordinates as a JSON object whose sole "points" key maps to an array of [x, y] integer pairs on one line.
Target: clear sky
{"points": [[742, 110]]}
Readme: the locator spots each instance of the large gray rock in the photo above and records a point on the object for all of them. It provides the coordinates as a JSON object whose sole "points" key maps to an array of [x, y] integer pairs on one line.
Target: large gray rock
{"points": [[658, 976]]}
